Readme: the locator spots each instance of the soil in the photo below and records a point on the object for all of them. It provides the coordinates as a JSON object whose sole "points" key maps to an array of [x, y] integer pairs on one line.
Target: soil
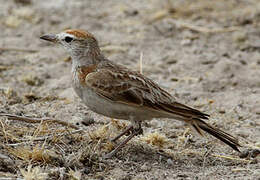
{"points": [[206, 53]]}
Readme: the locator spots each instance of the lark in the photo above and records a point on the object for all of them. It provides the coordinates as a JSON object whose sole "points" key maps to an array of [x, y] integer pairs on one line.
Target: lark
{"points": [[115, 91]]}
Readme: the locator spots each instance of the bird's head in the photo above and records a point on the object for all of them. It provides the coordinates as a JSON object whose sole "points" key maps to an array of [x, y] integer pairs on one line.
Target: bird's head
{"points": [[76, 42]]}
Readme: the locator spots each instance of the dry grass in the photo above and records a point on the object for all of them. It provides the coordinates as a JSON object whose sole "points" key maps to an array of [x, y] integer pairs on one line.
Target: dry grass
{"points": [[34, 173], [34, 154], [156, 139], [53, 145], [75, 175], [32, 80]]}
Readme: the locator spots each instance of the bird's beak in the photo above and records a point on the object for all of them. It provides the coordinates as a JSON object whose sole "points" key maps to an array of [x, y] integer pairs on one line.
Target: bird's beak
{"points": [[49, 37]]}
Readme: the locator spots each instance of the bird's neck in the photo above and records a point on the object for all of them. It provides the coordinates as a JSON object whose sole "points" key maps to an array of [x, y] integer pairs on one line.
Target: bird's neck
{"points": [[88, 57]]}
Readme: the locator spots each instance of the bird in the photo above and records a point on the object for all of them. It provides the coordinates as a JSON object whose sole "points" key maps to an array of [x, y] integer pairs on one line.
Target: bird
{"points": [[115, 91]]}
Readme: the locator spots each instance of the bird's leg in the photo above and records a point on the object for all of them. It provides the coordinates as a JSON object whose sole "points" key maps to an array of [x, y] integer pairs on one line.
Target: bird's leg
{"points": [[133, 134], [127, 130]]}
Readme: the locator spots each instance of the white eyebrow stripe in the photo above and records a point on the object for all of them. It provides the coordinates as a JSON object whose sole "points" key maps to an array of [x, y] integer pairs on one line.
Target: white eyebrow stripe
{"points": [[63, 35]]}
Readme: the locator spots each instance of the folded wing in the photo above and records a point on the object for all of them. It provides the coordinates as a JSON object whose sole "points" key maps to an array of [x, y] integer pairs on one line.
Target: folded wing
{"points": [[134, 89]]}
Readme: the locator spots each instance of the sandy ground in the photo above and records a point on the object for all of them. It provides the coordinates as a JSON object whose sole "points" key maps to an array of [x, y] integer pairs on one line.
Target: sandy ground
{"points": [[205, 53]]}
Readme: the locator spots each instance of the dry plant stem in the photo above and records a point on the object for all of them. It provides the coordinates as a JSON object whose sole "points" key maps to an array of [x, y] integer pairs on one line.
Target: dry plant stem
{"points": [[204, 29], [141, 63], [61, 134], [129, 128], [214, 155], [230, 158], [4, 132], [38, 120], [112, 153], [19, 50], [160, 32], [205, 156], [44, 138]]}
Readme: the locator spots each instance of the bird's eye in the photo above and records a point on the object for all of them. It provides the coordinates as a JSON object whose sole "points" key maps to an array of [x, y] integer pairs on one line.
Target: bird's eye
{"points": [[68, 39]]}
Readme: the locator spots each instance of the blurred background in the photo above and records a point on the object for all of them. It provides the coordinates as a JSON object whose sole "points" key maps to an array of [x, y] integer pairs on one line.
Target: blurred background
{"points": [[204, 52]]}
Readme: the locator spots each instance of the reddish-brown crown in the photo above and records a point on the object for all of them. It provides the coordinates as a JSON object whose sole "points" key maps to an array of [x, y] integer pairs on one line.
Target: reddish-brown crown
{"points": [[80, 33]]}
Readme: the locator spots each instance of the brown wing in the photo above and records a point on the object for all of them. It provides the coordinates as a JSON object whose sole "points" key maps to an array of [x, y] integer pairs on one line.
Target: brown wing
{"points": [[124, 86], [105, 83]]}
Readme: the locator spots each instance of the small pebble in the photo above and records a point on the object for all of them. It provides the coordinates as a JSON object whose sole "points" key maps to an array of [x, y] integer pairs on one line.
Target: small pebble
{"points": [[222, 111], [88, 121], [240, 37], [131, 13], [243, 62], [185, 42], [169, 162], [86, 170], [171, 61]]}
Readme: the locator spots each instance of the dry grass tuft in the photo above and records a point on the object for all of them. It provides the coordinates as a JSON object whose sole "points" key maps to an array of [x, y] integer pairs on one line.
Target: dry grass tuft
{"points": [[182, 140], [74, 175], [104, 132], [34, 173], [8, 92], [30, 97], [101, 133], [118, 125], [42, 130], [156, 139], [100, 138], [90, 157], [28, 154], [32, 80]]}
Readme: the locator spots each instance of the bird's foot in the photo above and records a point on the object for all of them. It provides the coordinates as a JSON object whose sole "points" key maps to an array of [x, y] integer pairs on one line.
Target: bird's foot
{"points": [[134, 132], [125, 132]]}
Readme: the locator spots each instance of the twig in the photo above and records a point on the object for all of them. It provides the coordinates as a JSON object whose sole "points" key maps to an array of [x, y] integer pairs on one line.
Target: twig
{"points": [[241, 169], [17, 144], [51, 136], [38, 120], [206, 155], [164, 34], [141, 63], [4, 132], [19, 50], [43, 138], [204, 29], [216, 155], [230, 158]]}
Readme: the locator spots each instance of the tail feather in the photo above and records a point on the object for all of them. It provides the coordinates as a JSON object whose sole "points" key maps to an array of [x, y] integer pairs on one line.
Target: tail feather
{"points": [[219, 134], [196, 119], [182, 110]]}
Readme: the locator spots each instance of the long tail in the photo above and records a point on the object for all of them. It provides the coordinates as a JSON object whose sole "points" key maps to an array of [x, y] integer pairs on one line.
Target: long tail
{"points": [[230, 140], [195, 118]]}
